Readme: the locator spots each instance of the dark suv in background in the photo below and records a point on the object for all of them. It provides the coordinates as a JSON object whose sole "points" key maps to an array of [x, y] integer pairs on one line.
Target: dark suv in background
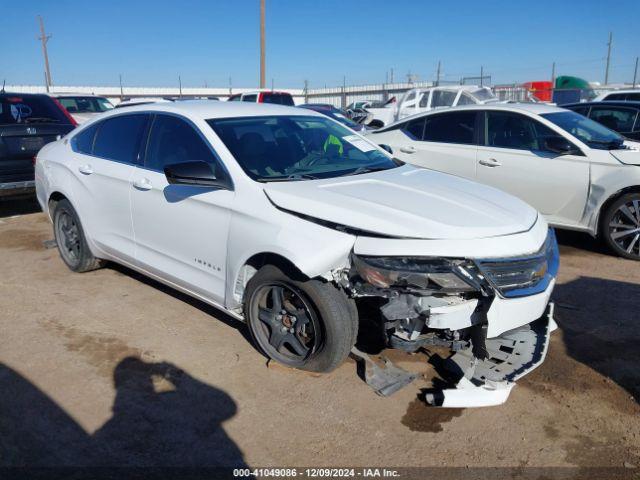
{"points": [[620, 116], [27, 123]]}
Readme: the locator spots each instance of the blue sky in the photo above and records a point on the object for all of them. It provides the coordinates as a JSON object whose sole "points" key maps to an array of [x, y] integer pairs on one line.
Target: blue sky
{"points": [[150, 42]]}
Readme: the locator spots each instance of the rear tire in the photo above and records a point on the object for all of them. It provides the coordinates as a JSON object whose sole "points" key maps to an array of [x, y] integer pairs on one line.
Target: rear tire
{"points": [[304, 324], [70, 239], [620, 227]]}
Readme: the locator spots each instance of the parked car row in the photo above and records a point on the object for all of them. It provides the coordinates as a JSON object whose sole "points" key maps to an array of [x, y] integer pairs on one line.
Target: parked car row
{"points": [[288, 220]]}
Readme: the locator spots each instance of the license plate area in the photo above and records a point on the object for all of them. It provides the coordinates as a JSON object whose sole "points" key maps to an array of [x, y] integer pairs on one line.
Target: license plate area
{"points": [[31, 144]]}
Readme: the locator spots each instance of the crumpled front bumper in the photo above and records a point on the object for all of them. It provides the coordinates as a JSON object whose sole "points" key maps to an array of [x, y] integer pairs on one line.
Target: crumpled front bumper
{"points": [[510, 356]]}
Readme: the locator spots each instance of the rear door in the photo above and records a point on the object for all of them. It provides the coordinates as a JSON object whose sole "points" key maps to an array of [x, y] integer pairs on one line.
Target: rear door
{"points": [[513, 158], [105, 156], [27, 123], [445, 142]]}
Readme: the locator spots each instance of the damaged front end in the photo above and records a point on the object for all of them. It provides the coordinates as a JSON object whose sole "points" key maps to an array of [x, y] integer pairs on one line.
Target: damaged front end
{"points": [[493, 314]]}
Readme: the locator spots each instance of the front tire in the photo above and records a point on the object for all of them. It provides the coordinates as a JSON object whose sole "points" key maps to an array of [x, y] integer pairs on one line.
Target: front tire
{"points": [[620, 226], [304, 324], [71, 240]]}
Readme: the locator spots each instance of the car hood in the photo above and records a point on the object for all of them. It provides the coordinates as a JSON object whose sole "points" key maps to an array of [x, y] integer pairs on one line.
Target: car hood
{"points": [[407, 202], [630, 156]]}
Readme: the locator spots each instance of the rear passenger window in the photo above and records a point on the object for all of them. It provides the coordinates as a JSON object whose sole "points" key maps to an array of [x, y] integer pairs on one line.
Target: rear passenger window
{"points": [[83, 142], [442, 98], [119, 138], [633, 97], [173, 140], [458, 127], [617, 119], [581, 110], [249, 98], [415, 128]]}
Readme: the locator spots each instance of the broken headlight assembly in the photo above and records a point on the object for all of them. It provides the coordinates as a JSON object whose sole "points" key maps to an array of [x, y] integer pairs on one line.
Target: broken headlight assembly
{"points": [[422, 273]]}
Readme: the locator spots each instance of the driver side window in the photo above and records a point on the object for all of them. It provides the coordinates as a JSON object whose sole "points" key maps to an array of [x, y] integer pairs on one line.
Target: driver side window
{"points": [[173, 140], [519, 132]]}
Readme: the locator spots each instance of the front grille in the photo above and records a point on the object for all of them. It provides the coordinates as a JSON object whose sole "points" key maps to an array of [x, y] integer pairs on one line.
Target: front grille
{"points": [[521, 276]]}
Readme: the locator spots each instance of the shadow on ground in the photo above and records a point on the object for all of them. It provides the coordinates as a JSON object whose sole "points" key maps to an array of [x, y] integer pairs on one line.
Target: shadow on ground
{"points": [[161, 417], [581, 241], [600, 322], [19, 206]]}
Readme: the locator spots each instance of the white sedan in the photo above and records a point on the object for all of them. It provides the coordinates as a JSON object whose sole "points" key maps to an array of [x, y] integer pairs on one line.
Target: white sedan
{"points": [[579, 174], [284, 218]]}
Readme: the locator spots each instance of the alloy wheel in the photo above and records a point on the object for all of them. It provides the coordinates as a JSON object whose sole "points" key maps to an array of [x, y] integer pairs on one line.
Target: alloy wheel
{"points": [[287, 327], [624, 227], [68, 237]]}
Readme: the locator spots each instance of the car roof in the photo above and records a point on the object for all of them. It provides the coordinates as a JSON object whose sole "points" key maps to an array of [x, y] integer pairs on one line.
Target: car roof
{"points": [[64, 95], [622, 90], [207, 109], [534, 108], [616, 103]]}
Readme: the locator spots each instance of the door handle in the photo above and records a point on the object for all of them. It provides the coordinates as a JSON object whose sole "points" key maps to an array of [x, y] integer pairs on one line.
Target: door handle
{"points": [[490, 162], [85, 169], [142, 184], [408, 149]]}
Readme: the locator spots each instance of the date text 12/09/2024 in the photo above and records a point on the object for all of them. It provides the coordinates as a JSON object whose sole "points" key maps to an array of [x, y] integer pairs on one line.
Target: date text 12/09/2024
{"points": [[316, 472]]}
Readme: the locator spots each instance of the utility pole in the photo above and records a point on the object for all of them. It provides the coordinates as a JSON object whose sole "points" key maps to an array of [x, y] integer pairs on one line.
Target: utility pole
{"points": [[635, 73], [180, 85], [44, 38], [606, 73], [272, 84], [230, 87], [438, 75], [306, 91], [391, 79], [262, 54], [553, 74], [481, 75], [121, 92]]}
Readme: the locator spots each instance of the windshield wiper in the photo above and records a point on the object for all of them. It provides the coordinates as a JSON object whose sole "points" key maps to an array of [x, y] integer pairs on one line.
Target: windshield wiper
{"points": [[286, 178], [40, 120], [612, 144], [360, 170]]}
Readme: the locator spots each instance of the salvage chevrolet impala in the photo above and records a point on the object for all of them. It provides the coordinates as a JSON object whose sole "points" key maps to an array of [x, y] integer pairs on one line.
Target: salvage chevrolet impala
{"points": [[287, 220]]}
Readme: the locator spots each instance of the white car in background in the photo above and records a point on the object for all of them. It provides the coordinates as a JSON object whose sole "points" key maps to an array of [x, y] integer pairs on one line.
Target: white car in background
{"points": [[283, 218], [83, 107], [629, 95], [420, 100], [579, 174]]}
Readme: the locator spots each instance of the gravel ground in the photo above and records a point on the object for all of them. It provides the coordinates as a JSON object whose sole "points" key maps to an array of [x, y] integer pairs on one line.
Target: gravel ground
{"points": [[111, 368]]}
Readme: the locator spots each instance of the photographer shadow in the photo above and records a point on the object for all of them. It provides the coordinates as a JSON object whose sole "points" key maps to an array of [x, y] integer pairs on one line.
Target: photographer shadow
{"points": [[162, 417]]}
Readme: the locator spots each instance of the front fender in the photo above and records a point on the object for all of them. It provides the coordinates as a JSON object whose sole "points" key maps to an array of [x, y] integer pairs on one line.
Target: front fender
{"points": [[313, 249]]}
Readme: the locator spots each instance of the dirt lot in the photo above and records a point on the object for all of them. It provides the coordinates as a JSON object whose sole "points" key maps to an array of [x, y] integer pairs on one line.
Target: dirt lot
{"points": [[109, 367]]}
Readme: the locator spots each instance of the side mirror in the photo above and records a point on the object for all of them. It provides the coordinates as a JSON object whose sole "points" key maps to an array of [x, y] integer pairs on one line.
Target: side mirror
{"points": [[196, 173], [386, 148], [561, 146]]}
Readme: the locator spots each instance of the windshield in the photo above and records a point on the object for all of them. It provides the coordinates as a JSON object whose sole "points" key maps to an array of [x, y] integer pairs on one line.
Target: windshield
{"points": [[284, 148], [484, 94], [85, 104], [586, 130]]}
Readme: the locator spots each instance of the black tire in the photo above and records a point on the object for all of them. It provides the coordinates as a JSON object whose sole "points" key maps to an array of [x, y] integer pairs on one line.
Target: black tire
{"points": [[620, 217], [326, 336], [70, 239]]}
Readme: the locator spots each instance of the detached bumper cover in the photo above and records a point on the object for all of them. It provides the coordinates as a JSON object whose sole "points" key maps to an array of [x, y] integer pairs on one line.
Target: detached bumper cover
{"points": [[488, 382]]}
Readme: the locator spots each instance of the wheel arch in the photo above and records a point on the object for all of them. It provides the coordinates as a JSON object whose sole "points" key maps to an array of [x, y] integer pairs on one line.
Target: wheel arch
{"points": [[52, 201], [612, 198]]}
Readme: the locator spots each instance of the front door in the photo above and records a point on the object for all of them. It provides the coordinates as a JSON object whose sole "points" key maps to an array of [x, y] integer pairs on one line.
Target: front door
{"points": [[513, 158], [180, 230]]}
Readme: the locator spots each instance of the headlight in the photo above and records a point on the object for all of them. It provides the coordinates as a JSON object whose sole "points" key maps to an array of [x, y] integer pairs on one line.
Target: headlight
{"points": [[418, 272]]}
